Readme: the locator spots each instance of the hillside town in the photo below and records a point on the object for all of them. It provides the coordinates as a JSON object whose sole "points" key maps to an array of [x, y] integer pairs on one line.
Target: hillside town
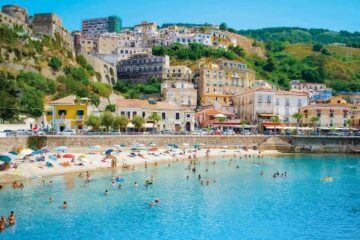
{"points": [[218, 97]]}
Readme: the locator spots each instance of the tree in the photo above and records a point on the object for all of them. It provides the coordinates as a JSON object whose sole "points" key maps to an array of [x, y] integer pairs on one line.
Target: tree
{"points": [[155, 118], [275, 120], [221, 120], [223, 26], [107, 119], [317, 47], [94, 122], [349, 122], [298, 116], [313, 121], [120, 122], [55, 63], [243, 122], [82, 61], [138, 122]]}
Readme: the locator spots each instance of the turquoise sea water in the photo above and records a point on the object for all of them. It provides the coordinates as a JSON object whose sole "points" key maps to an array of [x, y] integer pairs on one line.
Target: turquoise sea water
{"points": [[240, 205]]}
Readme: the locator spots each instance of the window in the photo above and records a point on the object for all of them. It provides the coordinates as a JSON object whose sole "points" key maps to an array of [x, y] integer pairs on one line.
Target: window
{"points": [[277, 101], [260, 99], [62, 112], [177, 116], [163, 116], [143, 114], [331, 114], [188, 115], [331, 122], [268, 99], [299, 102], [287, 102], [80, 112], [49, 113], [122, 113]]}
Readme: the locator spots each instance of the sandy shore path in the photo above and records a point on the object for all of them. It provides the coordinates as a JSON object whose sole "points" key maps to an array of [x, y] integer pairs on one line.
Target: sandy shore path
{"points": [[91, 160]]}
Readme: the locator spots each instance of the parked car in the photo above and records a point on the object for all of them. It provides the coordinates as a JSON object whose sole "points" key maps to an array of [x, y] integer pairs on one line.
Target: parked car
{"points": [[229, 132], [357, 133], [246, 132], [200, 132], [68, 132], [167, 132]]}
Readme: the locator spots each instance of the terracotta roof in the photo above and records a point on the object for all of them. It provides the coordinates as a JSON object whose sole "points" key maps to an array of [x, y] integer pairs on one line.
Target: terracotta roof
{"points": [[66, 100], [213, 111], [137, 103]]}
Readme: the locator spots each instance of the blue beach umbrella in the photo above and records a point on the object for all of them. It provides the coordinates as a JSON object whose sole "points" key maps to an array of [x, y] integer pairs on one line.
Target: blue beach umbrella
{"points": [[52, 157], [6, 158], [61, 149], [109, 151], [13, 153], [37, 152]]}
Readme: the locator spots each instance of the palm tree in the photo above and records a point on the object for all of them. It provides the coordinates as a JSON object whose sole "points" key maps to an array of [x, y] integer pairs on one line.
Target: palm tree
{"points": [[221, 120], [275, 120], [138, 122], [349, 122], [155, 118], [243, 122], [313, 121], [298, 116]]}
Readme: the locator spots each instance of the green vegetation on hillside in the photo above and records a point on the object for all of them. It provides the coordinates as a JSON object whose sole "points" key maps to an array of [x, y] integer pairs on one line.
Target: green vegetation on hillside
{"points": [[134, 90], [23, 93], [303, 35]]}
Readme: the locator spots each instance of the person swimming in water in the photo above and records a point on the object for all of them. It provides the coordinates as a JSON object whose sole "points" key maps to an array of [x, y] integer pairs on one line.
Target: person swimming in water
{"points": [[136, 184], [113, 183], [2, 223], [51, 199], [157, 200], [262, 172], [152, 204], [119, 187], [11, 218], [106, 192], [65, 205]]}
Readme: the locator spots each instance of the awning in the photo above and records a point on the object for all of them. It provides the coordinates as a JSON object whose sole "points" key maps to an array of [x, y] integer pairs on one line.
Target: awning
{"points": [[273, 125], [267, 114]]}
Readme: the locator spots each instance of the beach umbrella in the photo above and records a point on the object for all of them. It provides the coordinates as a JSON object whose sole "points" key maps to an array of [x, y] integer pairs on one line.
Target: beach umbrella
{"points": [[6, 158], [68, 156], [196, 145], [134, 149], [153, 149], [52, 157], [13, 153], [26, 151], [61, 149], [37, 152], [82, 156], [173, 145], [109, 151]]}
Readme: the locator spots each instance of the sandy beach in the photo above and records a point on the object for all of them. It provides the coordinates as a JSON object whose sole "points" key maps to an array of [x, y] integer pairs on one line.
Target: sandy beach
{"points": [[85, 159]]}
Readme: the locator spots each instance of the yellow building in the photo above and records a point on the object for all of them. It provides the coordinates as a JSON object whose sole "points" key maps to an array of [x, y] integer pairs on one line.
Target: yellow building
{"points": [[68, 113], [218, 82]]}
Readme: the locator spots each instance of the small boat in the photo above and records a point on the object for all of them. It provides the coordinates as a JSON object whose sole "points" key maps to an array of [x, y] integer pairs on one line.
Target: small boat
{"points": [[327, 179]]}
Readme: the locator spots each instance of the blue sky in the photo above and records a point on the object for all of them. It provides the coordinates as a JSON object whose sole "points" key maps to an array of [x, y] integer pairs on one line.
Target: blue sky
{"points": [[239, 14]]}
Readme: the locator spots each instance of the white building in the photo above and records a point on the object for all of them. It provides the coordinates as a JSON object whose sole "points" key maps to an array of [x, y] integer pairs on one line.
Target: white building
{"points": [[179, 92], [262, 104], [172, 116]]}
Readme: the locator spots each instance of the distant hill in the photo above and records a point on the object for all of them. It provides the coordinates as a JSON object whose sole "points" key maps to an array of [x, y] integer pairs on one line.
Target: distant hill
{"points": [[303, 35]]}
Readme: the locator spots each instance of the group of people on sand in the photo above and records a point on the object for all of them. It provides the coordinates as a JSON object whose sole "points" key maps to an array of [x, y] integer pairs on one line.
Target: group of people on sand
{"points": [[10, 220]]}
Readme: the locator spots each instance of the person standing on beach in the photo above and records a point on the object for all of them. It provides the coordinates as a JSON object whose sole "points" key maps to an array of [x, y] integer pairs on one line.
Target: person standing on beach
{"points": [[11, 218]]}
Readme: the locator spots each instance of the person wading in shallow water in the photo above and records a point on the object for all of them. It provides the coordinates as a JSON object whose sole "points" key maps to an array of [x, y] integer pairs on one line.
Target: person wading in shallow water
{"points": [[11, 218]]}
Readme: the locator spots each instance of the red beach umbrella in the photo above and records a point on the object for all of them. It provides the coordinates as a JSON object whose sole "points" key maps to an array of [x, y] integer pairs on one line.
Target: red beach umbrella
{"points": [[68, 156]]}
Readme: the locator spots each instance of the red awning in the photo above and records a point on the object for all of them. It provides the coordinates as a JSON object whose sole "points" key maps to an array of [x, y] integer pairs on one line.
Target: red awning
{"points": [[273, 125]]}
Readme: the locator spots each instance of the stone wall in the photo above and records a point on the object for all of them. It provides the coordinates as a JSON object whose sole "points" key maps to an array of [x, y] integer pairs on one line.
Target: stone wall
{"points": [[300, 144]]}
